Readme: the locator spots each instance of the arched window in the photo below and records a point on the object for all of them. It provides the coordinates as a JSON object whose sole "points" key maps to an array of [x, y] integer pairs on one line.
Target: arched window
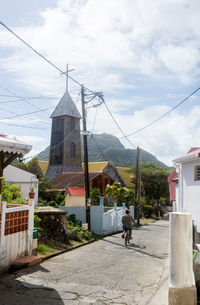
{"points": [[72, 124], [72, 150]]}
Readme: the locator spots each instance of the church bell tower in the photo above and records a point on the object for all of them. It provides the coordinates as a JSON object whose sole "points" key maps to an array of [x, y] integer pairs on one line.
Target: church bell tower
{"points": [[65, 147]]}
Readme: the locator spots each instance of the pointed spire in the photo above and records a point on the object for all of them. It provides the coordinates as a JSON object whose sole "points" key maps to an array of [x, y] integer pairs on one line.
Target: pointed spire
{"points": [[66, 107]]}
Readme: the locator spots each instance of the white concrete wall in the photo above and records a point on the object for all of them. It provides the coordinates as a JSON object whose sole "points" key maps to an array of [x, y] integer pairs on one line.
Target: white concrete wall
{"points": [[74, 200], [79, 211], [96, 219], [18, 244], [108, 222], [25, 179], [191, 192]]}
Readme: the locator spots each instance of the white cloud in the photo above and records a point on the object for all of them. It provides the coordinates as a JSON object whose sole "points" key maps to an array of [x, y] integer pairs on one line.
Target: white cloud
{"points": [[169, 138], [112, 44], [96, 36]]}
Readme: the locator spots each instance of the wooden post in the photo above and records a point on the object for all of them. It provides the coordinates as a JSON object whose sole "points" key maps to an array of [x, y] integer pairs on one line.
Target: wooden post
{"points": [[86, 172], [138, 186]]}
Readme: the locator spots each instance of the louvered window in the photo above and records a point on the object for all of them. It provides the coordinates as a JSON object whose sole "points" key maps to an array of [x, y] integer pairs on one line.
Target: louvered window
{"points": [[197, 173]]}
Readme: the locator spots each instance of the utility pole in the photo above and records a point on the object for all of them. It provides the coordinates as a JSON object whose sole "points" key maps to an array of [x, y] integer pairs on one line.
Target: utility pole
{"points": [[86, 173], [138, 186]]}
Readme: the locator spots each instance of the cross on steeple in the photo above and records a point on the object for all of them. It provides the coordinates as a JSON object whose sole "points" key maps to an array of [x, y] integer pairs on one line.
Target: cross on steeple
{"points": [[67, 75]]}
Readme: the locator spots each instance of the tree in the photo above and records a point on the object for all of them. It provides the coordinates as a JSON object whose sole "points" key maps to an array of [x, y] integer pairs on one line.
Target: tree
{"points": [[154, 182], [48, 195], [95, 195], [31, 166], [122, 194]]}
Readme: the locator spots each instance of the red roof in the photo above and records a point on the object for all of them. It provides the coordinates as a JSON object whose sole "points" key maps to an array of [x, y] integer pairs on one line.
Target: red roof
{"points": [[193, 150], [76, 191]]}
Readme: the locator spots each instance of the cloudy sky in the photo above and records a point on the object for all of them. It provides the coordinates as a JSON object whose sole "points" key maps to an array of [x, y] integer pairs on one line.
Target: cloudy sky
{"points": [[143, 55]]}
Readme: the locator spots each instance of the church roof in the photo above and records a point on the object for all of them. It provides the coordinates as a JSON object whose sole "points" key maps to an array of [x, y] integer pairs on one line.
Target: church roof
{"points": [[66, 107], [72, 179]]}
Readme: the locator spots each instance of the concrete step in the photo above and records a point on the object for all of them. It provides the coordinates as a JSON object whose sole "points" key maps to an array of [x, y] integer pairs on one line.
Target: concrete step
{"points": [[25, 261]]}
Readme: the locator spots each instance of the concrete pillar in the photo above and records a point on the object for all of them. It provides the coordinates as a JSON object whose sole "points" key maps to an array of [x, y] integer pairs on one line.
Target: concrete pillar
{"points": [[3, 223], [101, 200], [132, 211], [182, 290]]}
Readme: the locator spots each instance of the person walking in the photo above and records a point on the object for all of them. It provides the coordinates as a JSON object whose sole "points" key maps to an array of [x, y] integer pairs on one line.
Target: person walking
{"points": [[128, 222]]}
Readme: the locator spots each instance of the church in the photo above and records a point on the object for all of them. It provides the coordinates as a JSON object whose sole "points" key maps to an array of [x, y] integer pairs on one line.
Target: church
{"points": [[65, 166], [65, 147]]}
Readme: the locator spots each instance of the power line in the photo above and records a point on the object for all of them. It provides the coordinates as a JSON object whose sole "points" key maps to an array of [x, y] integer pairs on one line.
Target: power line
{"points": [[30, 126], [25, 100], [48, 96], [35, 127], [163, 115], [57, 68], [15, 116], [117, 123], [31, 97], [95, 117], [101, 151], [35, 51]]}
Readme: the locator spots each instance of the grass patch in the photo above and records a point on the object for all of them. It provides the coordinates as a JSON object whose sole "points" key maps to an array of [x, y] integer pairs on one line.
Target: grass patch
{"points": [[145, 221], [46, 247], [72, 242], [98, 236]]}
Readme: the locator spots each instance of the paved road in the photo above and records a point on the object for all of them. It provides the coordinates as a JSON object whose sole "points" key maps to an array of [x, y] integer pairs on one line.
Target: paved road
{"points": [[104, 272]]}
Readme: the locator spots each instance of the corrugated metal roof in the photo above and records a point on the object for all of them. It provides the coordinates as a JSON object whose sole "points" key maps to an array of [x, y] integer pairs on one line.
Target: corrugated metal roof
{"points": [[13, 145], [67, 107], [126, 175], [76, 191], [96, 166], [43, 165], [72, 179]]}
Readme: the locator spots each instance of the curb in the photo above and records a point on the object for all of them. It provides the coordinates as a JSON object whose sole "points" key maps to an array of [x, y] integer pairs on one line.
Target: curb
{"points": [[67, 250]]}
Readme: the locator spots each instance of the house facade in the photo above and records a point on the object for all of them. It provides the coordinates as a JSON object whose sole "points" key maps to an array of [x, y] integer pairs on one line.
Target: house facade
{"points": [[188, 186], [15, 175], [16, 221], [75, 196]]}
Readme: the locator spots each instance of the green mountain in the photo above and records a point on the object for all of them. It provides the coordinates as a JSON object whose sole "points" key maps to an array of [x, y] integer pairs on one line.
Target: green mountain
{"points": [[106, 147]]}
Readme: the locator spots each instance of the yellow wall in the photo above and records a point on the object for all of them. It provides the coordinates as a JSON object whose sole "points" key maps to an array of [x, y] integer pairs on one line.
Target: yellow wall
{"points": [[74, 200]]}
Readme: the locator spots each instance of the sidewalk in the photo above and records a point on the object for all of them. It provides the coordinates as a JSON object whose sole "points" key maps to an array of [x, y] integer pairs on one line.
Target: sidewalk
{"points": [[161, 294]]}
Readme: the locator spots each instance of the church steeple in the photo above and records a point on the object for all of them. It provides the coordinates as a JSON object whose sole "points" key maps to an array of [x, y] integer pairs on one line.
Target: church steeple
{"points": [[65, 147], [66, 107]]}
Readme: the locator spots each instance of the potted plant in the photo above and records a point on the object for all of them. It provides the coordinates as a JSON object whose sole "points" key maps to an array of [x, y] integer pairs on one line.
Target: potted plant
{"points": [[31, 193]]}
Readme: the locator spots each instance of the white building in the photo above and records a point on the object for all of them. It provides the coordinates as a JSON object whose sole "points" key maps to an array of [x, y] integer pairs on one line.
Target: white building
{"points": [[15, 175], [188, 186]]}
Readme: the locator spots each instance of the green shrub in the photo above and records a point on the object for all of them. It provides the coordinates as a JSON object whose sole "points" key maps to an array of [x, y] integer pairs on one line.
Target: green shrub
{"points": [[95, 196], [62, 204], [88, 235], [147, 210], [52, 203], [12, 193], [73, 221], [156, 210]]}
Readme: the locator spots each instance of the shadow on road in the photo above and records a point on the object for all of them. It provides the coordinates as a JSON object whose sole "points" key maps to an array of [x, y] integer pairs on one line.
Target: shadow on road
{"points": [[134, 247], [16, 289]]}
